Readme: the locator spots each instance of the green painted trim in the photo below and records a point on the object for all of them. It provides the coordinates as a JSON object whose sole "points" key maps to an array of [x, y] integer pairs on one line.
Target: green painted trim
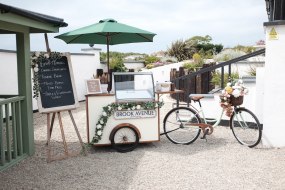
{"points": [[36, 26], [13, 162], [11, 28], [25, 89]]}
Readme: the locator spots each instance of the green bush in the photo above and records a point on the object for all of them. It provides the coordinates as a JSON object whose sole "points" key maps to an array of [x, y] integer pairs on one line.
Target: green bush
{"points": [[151, 59], [191, 66], [149, 66], [216, 77], [117, 64]]}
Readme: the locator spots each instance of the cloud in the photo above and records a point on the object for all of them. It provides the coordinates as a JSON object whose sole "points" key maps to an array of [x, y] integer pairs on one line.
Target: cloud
{"points": [[229, 22]]}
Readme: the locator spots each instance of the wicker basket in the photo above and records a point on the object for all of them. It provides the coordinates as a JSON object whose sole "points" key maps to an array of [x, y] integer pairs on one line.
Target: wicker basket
{"points": [[236, 101]]}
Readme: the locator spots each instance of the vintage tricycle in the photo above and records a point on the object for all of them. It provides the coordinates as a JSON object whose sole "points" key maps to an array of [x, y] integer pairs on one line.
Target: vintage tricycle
{"points": [[127, 117]]}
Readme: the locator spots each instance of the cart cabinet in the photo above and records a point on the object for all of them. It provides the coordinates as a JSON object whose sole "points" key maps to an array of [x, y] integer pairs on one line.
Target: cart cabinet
{"points": [[133, 108]]}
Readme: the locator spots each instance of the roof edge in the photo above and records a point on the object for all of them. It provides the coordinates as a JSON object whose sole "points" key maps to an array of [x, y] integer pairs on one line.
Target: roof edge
{"points": [[32, 15]]}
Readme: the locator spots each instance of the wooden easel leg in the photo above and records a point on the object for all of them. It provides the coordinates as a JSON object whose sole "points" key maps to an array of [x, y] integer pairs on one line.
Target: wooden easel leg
{"points": [[48, 138], [52, 122], [51, 126], [77, 132], [62, 134]]}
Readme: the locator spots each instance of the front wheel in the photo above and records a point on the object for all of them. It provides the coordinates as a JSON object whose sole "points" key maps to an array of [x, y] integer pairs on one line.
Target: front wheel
{"points": [[245, 127], [124, 139], [180, 125]]}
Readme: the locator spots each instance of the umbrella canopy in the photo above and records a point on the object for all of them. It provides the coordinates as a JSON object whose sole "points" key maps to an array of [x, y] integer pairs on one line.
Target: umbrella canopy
{"points": [[109, 28], [109, 32]]}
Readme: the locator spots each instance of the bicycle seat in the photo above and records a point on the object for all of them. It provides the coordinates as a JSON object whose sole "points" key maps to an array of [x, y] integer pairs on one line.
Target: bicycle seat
{"points": [[196, 98]]}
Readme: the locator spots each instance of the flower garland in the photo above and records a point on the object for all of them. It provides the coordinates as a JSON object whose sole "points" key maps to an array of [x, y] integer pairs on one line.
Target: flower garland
{"points": [[111, 108], [36, 59], [232, 90]]}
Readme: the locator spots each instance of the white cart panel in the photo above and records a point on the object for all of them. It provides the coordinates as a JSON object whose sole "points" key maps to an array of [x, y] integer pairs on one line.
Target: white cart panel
{"points": [[148, 127]]}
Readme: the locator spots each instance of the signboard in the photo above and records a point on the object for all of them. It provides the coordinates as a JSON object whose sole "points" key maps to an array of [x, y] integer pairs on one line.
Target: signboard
{"points": [[273, 35], [56, 84], [134, 114], [93, 86]]}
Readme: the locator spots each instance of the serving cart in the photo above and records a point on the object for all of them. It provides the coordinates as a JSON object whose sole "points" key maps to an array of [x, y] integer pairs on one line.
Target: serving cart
{"points": [[126, 117]]}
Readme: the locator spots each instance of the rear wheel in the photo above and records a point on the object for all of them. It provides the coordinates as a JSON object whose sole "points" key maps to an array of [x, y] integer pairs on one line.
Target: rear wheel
{"points": [[180, 125], [124, 139], [245, 127]]}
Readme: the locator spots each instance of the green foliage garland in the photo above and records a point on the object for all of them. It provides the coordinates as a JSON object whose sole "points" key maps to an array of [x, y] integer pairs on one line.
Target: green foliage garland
{"points": [[36, 59]]}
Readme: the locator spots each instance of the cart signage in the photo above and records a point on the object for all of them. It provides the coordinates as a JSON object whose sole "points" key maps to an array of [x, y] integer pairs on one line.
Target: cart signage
{"points": [[134, 114]]}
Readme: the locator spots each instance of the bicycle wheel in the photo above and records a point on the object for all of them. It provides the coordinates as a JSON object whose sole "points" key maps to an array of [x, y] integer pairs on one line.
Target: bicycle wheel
{"points": [[125, 139], [180, 125], [245, 127]]}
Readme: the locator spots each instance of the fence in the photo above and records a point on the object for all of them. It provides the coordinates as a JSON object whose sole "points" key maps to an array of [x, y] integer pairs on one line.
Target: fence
{"points": [[200, 84], [184, 81], [11, 136]]}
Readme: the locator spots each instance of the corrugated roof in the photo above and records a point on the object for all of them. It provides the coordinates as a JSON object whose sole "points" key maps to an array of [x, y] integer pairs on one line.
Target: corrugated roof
{"points": [[32, 15]]}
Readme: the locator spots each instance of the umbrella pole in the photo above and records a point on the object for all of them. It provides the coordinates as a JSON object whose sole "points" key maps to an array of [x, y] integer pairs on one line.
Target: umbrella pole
{"points": [[108, 67]]}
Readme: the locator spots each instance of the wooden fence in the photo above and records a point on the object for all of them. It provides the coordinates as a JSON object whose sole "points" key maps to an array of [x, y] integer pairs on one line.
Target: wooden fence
{"points": [[201, 84]]}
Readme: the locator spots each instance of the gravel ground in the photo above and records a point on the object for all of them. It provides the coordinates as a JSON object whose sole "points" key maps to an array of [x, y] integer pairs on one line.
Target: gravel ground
{"points": [[219, 163]]}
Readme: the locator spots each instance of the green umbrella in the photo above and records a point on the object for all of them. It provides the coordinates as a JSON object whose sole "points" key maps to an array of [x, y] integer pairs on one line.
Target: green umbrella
{"points": [[107, 31]]}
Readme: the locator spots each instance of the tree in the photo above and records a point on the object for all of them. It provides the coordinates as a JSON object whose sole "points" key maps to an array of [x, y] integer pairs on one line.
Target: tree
{"points": [[183, 50], [203, 46], [179, 50]]}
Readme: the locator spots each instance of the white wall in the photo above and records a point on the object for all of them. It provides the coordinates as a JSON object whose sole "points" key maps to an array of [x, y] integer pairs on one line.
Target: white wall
{"points": [[84, 65], [8, 73], [162, 73], [134, 65], [274, 101]]}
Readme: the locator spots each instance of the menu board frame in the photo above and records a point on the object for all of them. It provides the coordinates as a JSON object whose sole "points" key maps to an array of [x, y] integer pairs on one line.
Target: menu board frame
{"points": [[55, 108]]}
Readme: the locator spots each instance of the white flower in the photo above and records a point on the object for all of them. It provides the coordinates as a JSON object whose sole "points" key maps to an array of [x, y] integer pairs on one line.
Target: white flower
{"points": [[229, 84], [36, 69], [133, 108], [236, 93], [101, 121], [223, 91], [156, 105], [119, 108], [240, 81], [37, 53], [245, 91], [138, 107], [46, 55], [109, 108], [129, 109], [99, 126], [99, 133], [225, 98], [226, 103], [104, 114]]}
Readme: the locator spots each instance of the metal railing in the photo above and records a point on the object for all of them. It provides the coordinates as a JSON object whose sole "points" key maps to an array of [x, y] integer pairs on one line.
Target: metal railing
{"points": [[186, 78], [11, 136]]}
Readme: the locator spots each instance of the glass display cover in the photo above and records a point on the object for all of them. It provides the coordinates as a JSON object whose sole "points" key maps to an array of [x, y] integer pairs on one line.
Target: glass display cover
{"points": [[133, 86]]}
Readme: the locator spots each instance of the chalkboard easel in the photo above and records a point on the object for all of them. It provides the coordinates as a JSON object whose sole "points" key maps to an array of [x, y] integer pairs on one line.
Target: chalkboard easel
{"points": [[57, 94]]}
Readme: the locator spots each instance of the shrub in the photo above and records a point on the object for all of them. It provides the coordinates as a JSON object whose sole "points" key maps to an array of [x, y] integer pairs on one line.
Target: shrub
{"points": [[149, 66], [117, 64], [216, 77], [151, 59]]}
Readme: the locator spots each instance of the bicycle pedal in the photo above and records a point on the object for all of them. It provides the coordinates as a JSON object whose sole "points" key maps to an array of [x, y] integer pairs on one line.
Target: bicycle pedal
{"points": [[204, 135]]}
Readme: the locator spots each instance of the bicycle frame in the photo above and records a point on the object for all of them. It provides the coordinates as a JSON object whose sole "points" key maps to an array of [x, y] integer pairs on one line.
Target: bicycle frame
{"points": [[201, 113]]}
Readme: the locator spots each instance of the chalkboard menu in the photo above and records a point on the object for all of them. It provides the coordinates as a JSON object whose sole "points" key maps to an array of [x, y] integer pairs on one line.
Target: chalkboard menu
{"points": [[56, 84]]}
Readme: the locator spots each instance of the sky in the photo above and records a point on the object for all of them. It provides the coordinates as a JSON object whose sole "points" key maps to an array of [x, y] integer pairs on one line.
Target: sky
{"points": [[228, 22]]}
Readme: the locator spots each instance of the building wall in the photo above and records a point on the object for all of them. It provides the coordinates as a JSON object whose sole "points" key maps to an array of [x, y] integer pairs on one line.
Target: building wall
{"points": [[84, 65]]}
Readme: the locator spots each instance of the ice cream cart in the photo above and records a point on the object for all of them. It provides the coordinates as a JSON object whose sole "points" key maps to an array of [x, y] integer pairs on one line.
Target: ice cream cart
{"points": [[126, 117]]}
